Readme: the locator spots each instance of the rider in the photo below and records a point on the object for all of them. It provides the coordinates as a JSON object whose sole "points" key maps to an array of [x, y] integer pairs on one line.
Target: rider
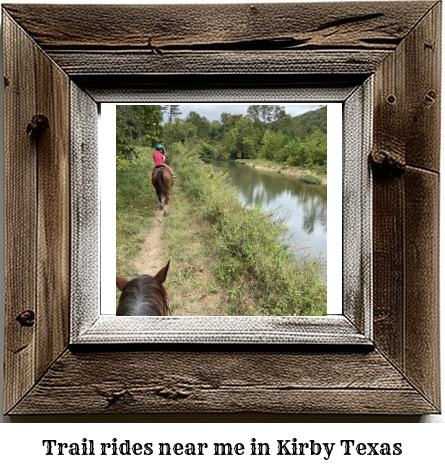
{"points": [[159, 158]]}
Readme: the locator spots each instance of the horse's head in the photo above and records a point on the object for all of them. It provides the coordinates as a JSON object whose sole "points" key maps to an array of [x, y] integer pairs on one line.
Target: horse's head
{"points": [[144, 295]]}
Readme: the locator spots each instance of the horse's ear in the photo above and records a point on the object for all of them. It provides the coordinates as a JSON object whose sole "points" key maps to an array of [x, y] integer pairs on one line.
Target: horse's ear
{"points": [[121, 283], [161, 275]]}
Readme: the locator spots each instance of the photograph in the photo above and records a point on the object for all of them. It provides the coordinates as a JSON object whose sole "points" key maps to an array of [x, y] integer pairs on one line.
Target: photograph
{"points": [[221, 209]]}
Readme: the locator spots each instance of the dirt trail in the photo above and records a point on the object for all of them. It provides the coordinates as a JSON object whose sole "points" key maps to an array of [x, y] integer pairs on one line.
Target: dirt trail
{"points": [[193, 301], [150, 260]]}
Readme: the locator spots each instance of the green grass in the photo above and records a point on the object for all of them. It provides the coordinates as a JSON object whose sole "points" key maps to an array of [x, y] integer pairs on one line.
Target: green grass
{"points": [[250, 260], [190, 280], [135, 204]]}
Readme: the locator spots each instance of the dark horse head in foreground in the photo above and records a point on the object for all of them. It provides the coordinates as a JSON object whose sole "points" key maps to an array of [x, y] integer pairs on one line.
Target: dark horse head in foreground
{"points": [[144, 295], [162, 180]]}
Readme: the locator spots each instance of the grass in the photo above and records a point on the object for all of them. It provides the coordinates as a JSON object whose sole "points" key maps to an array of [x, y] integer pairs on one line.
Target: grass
{"points": [[226, 260], [313, 171], [135, 203], [192, 286], [250, 261], [308, 179]]}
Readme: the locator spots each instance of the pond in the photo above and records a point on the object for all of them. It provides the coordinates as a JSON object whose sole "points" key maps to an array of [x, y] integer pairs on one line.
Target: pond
{"points": [[303, 206]]}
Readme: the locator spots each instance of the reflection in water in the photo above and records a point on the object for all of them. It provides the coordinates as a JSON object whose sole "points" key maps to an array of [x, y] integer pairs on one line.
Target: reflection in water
{"points": [[303, 206]]}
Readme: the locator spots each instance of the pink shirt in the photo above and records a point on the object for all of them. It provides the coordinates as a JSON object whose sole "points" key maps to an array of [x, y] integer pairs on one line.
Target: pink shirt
{"points": [[158, 158]]}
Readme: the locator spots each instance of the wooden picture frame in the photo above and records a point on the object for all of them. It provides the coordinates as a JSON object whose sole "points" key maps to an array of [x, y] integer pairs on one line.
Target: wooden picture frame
{"points": [[56, 72]]}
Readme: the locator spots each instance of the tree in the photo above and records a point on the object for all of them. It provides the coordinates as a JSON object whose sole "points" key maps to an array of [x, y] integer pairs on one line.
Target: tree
{"points": [[135, 123], [172, 112], [179, 131], [265, 113], [200, 122]]}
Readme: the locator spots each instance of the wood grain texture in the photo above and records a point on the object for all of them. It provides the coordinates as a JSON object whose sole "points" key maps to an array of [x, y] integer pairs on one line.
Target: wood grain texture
{"points": [[160, 27], [333, 329], [422, 281], [37, 220], [406, 207], [407, 120], [388, 268], [397, 41], [20, 211], [219, 87], [423, 92], [223, 382], [122, 63], [53, 231], [85, 210], [357, 210]]}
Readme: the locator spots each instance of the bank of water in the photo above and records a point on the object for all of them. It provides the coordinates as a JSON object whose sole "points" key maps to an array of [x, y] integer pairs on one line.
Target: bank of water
{"points": [[303, 206]]}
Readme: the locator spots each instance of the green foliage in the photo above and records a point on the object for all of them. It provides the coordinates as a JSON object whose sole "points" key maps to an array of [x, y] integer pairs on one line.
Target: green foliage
{"points": [[252, 257], [266, 132], [171, 112], [134, 213], [272, 145], [265, 113], [205, 151], [315, 119], [316, 148], [135, 124], [179, 131], [201, 124], [308, 179]]}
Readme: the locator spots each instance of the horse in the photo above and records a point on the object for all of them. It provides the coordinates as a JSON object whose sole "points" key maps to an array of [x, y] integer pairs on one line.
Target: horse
{"points": [[144, 295], [162, 180]]}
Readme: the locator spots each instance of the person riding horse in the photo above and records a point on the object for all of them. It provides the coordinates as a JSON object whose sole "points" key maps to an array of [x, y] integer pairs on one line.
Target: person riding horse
{"points": [[161, 160], [162, 178]]}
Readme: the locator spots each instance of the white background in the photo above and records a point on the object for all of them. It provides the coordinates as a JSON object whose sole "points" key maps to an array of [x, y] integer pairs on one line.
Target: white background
{"points": [[21, 441]]}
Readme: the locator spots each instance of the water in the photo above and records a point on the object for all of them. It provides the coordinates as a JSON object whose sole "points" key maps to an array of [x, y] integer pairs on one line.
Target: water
{"points": [[303, 206]]}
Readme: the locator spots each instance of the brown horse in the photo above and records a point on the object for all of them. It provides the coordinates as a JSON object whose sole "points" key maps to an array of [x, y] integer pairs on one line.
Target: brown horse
{"points": [[144, 295], [162, 180]]}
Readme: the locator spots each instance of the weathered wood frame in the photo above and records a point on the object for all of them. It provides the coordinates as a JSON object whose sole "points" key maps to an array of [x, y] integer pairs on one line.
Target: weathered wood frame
{"points": [[75, 57], [353, 326]]}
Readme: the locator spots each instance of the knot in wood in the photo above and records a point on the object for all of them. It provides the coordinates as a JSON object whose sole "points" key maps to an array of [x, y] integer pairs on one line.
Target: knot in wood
{"points": [[173, 393], [115, 396], [387, 162], [37, 126], [26, 318]]}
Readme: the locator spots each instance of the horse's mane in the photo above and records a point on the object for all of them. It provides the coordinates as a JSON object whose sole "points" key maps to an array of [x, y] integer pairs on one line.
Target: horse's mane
{"points": [[143, 296]]}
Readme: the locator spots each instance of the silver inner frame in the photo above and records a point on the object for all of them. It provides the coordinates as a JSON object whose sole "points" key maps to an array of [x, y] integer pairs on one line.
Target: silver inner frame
{"points": [[354, 326]]}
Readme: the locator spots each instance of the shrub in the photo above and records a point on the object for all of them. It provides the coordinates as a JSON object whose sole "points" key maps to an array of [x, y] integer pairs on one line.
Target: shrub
{"points": [[308, 179], [252, 257]]}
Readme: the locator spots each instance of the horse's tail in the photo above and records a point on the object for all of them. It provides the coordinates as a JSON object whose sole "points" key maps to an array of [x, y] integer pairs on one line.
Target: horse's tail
{"points": [[160, 179]]}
